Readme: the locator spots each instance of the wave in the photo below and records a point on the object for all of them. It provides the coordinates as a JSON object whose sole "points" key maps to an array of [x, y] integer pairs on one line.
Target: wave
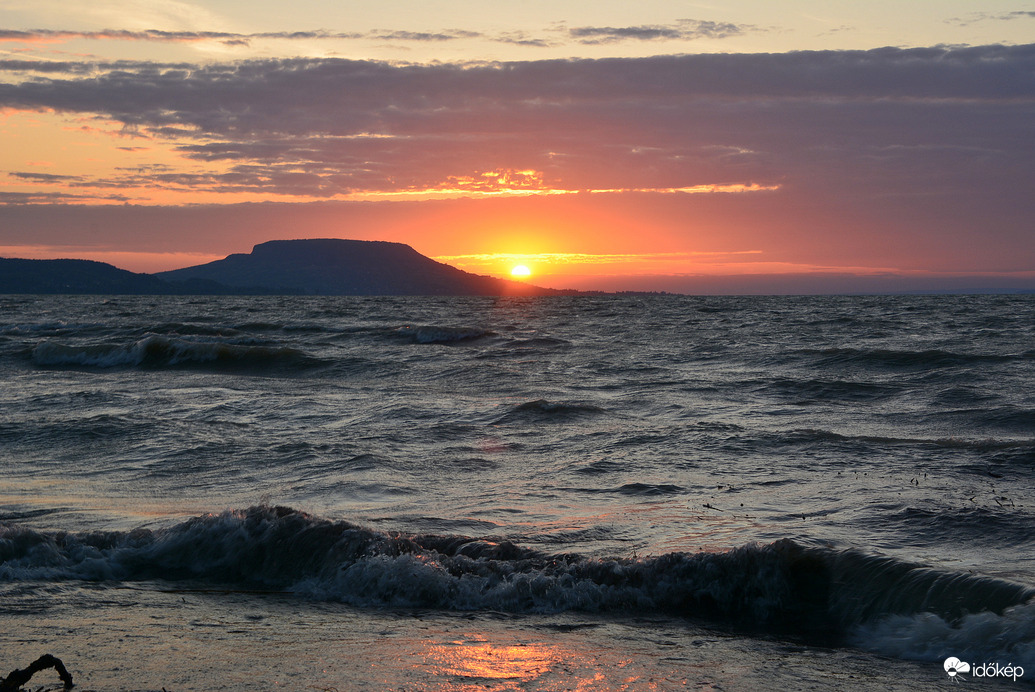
{"points": [[537, 343], [981, 637], [443, 335], [155, 351], [954, 524], [814, 390], [1007, 417], [600, 467], [504, 347], [57, 328], [644, 489], [987, 445], [781, 588], [541, 409], [285, 327], [540, 342], [194, 329], [890, 358]]}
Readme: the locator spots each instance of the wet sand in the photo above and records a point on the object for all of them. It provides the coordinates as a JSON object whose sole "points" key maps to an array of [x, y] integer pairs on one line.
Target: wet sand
{"points": [[144, 639]]}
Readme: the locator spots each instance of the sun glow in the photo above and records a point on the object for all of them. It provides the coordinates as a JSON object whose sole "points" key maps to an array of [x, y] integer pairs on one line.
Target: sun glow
{"points": [[551, 264]]}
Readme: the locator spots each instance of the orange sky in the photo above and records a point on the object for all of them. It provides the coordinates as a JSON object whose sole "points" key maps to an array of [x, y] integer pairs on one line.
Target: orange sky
{"points": [[605, 151]]}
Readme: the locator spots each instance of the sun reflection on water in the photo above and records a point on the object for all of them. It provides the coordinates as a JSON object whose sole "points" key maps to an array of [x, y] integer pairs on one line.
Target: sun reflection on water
{"points": [[487, 661], [475, 663]]}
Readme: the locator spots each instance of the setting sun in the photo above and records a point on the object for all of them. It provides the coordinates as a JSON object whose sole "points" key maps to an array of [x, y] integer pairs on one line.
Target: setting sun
{"points": [[520, 271]]}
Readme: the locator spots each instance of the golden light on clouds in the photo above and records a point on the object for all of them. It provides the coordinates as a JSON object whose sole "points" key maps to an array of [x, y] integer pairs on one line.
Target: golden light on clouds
{"points": [[510, 183], [88, 159]]}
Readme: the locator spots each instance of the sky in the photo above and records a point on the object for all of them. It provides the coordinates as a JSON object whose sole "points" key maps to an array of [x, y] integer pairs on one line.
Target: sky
{"points": [[747, 146]]}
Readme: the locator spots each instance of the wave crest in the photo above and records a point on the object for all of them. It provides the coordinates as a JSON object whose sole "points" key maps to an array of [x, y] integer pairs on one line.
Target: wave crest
{"points": [[781, 587]]}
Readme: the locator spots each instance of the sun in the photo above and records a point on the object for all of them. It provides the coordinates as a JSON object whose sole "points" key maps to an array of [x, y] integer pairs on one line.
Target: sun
{"points": [[520, 271]]}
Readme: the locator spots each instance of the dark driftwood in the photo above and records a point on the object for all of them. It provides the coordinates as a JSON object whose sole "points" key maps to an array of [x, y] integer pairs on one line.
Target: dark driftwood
{"points": [[18, 677]]}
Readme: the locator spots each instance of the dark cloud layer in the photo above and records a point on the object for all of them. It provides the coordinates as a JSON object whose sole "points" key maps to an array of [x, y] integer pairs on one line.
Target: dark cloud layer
{"points": [[665, 121]]}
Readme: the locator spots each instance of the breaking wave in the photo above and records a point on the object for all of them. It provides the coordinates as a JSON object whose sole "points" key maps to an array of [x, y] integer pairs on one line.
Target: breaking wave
{"points": [[880, 603]]}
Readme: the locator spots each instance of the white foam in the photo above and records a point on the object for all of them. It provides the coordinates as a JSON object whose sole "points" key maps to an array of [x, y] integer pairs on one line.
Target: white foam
{"points": [[977, 638]]}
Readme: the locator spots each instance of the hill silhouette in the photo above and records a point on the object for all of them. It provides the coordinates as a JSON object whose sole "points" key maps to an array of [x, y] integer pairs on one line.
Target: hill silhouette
{"points": [[345, 267], [74, 276], [288, 267]]}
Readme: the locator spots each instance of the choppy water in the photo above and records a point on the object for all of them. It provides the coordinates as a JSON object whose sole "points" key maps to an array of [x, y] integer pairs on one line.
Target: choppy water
{"points": [[852, 469]]}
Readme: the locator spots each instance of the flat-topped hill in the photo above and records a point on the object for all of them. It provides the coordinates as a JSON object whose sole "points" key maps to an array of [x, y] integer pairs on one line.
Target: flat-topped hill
{"points": [[346, 267]]}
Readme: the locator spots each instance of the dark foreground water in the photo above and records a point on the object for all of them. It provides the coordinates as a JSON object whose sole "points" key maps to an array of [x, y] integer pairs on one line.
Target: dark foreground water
{"points": [[564, 493]]}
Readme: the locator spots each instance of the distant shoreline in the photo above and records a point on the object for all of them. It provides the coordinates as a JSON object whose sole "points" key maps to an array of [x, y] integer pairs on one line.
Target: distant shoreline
{"points": [[329, 268]]}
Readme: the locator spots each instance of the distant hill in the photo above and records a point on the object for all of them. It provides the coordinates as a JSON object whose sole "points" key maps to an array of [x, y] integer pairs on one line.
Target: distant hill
{"points": [[345, 267], [74, 276]]}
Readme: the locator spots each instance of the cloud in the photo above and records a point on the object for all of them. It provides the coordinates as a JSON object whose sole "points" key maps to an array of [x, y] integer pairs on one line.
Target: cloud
{"points": [[155, 35], [47, 197], [49, 35], [42, 66], [230, 38], [977, 17], [521, 38], [684, 30], [423, 35], [45, 177]]}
